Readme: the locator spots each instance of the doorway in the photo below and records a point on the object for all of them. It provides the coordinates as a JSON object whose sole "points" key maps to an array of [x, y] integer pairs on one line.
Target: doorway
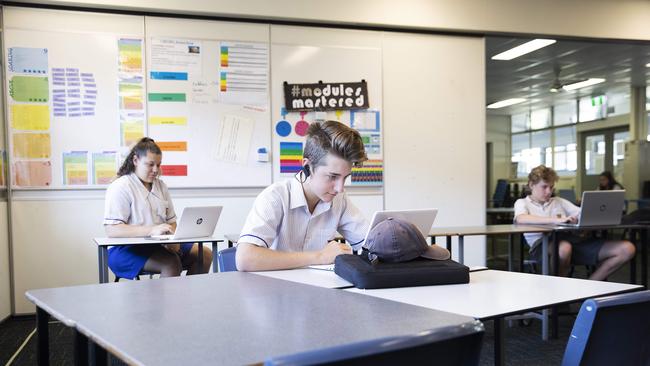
{"points": [[602, 150]]}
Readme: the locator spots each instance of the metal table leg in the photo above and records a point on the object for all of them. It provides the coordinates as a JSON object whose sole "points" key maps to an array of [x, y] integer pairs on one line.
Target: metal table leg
{"points": [[215, 261], [461, 249], [80, 349], [200, 257], [102, 257], [42, 335], [499, 347], [511, 249]]}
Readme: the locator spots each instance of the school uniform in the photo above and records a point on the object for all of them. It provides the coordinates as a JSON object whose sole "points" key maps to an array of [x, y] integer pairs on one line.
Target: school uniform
{"points": [[280, 220], [129, 202], [584, 250]]}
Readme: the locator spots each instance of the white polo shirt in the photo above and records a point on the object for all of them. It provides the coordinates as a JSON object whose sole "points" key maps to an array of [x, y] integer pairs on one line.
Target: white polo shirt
{"points": [[556, 206], [280, 220], [128, 201]]}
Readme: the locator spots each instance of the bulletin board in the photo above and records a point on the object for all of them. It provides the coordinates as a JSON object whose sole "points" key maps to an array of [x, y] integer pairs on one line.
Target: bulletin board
{"points": [[208, 97], [315, 55], [73, 80]]}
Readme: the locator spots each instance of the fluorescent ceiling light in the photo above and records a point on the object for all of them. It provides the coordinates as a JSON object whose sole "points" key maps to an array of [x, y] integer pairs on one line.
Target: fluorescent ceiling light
{"points": [[582, 84], [506, 103], [523, 49], [647, 65]]}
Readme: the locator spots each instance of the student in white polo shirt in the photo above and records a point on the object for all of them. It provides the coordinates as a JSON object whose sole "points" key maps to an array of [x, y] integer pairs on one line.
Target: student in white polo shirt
{"points": [[292, 222], [540, 207], [138, 204]]}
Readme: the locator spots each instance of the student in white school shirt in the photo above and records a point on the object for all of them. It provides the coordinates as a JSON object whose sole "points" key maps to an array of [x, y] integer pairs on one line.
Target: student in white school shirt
{"points": [[292, 223], [540, 207], [138, 204]]}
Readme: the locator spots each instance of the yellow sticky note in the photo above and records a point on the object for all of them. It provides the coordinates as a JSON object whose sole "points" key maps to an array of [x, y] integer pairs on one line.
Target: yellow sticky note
{"points": [[178, 121], [32, 145], [30, 117]]}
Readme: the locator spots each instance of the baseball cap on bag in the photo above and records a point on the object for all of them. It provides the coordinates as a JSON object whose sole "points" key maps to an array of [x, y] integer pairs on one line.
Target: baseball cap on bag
{"points": [[394, 240]]}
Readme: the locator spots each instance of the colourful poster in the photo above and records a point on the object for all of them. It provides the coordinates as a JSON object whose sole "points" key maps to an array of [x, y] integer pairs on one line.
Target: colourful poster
{"points": [[131, 96], [75, 168], [290, 157], [32, 173], [31, 145], [371, 173], [130, 55], [28, 117], [177, 121], [172, 145], [28, 89], [167, 97], [131, 132], [174, 170], [104, 167], [27, 60]]}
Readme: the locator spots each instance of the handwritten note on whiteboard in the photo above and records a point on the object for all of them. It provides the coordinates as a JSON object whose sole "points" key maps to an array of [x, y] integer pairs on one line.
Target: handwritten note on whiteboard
{"points": [[234, 139]]}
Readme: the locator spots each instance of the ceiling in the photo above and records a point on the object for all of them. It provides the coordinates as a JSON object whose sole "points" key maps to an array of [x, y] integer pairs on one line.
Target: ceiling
{"points": [[531, 76]]}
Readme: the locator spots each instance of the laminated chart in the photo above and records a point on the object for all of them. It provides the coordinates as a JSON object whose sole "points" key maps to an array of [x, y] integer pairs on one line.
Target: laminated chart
{"points": [[104, 167], [31, 145], [290, 157], [131, 95], [75, 168], [244, 73], [32, 173], [30, 117], [371, 173], [29, 89], [26, 60]]}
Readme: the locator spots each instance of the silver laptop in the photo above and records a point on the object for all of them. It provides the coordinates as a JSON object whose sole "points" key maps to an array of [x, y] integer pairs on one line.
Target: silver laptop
{"points": [[421, 218], [195, 222], [600, 208]]}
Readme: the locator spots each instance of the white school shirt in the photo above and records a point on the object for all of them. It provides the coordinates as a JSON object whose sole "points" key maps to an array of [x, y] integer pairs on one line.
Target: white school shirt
{"points": [[128, 201], [555, 206], [280, 220]]}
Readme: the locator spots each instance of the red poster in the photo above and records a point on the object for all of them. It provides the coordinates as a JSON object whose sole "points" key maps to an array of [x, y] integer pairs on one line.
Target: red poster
{"points": [[174, 170]]}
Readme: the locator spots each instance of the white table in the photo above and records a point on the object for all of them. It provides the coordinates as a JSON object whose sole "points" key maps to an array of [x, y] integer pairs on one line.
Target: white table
{"points": [[492, 295], [309, 276], [104, 243]]}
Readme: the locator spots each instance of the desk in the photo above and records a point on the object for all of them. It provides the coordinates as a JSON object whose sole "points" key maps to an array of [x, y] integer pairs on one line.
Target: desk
{"points": [[104, 243], [142, 322], [492, 295], [309, 276], [462, 231]]}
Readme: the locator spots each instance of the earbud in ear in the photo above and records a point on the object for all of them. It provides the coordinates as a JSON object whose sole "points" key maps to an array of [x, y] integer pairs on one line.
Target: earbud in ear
{"points": [[306, 169]]}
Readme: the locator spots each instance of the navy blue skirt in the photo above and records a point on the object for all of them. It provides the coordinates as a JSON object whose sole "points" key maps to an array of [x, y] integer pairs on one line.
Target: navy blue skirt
{"points": [[127, 261]]}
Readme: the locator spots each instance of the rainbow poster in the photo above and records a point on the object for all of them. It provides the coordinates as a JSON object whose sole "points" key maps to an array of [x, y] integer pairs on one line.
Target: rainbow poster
{"points": [[290, 157], [371, 173]]}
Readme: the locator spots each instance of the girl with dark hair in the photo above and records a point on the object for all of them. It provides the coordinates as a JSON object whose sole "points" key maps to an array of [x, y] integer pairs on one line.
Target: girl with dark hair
{"points": [[138, 204], [607, 182]]}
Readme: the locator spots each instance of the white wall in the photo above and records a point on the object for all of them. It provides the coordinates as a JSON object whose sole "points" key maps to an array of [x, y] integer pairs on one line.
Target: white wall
{"points": [[5, 291], [625, 19], [434, 98]]}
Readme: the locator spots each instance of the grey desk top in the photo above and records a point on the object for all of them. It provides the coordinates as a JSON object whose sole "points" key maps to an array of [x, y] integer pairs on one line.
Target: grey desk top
{"points": [[488, 230], [228, 318], [143, 240], [598, 227]]}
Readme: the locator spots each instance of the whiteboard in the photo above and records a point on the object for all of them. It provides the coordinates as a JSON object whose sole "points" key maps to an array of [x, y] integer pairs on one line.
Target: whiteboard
{"points": [[63, 97], [208, 106], [310, 55]]}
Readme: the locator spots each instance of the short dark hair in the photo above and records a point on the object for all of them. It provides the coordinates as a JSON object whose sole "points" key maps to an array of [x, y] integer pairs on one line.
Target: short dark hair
{"points": [[332, 137], [140, 149]]}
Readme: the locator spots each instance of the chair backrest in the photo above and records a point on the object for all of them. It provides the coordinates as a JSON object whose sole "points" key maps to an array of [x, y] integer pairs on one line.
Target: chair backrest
{"points": [[453, 345], [567, 194], [226, 259], [611, 330], [500, 193]]}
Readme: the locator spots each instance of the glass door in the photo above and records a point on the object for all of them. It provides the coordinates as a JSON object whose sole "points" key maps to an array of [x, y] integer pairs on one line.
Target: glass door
{"points": [[602, 150]]}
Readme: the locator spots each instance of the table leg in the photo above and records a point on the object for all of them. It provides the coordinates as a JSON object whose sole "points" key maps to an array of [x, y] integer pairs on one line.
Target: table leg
{"points": [[102, 257], [634, 238], [100, 356], [461, 249], [545, 243], [556, 255], [215, 261], [42, 337], [200, 257], [499, 347], [230, 243], [510, 251], [449, 243], [545, 325], [80, 349], [644, 257]]}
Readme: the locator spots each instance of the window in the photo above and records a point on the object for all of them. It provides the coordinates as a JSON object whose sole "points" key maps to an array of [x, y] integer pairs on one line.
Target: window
{"points": [[541, 148], [520, 147], [619, 147], [519, 122], [565, 151], [540, 119], [592, 108], [564, 114], [618, 104]]}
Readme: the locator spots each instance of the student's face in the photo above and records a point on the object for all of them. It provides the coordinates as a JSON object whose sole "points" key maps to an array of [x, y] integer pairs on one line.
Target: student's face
{"points": [[603, 181], [542, 191], [147, 168], [326, 181]]}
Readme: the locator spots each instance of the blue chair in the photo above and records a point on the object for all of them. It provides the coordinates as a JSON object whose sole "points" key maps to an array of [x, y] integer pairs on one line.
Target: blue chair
{"points": [[453, 345], [613, 330], [226, 260]]}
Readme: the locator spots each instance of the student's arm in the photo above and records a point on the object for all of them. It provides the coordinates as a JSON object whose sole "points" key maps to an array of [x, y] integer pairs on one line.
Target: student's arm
{"points": [[251, 257], [352, 225], [134, 231], [523, 216]]}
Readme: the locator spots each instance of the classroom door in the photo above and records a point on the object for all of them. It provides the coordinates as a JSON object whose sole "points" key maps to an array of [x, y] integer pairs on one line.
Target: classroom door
{"points": [[602, 150]]}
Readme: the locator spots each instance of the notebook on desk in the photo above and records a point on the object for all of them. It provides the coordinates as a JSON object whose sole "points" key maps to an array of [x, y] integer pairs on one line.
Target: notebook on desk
{"points": [[195, 222], [422, 218], [600, 208]]}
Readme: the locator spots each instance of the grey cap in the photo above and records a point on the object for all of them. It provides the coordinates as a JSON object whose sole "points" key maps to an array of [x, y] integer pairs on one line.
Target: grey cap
{"points": [[395, 240]]}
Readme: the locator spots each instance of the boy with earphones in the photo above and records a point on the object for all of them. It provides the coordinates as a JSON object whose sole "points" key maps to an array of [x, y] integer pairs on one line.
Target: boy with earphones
{"points": [[292, 222]]}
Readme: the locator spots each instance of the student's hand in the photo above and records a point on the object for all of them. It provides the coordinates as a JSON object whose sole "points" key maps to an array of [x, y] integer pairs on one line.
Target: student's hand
{"points": [[572, 219], [332, 250], [161, 229], [173, 248]]}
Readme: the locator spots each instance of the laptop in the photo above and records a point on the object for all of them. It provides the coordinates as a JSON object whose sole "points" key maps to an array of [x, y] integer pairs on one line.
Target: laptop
{"points": [[421, 218], [195, 222], [600, 208]]}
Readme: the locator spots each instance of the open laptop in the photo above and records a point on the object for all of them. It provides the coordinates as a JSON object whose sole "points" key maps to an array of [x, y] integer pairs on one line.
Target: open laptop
{"points": [[195, 222], [600, 208], [422, 218]]}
